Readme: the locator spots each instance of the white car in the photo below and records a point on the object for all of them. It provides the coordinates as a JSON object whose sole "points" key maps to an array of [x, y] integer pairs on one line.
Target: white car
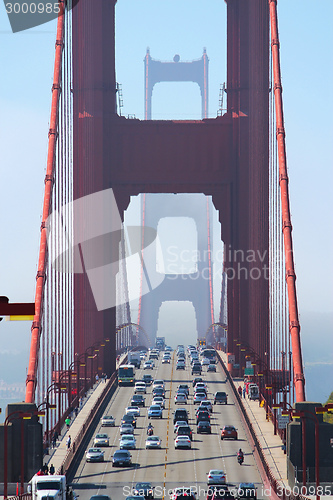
{"points": [[140, 388], [153, 442], [207, 404], [159, 383], [127, 442], [133, 410], [178, 423], [101, 440], [216, 476], [205, 361], [200, 385], [199, 397], [108, 421], [182, 442], [180, 398], [159, 400]]}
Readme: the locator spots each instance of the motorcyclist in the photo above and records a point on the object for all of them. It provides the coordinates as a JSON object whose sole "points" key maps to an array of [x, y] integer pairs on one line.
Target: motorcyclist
{"points": [[240, 454], [150, 428]]}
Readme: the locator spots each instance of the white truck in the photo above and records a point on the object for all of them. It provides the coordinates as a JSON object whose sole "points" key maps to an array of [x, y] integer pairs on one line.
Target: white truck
{"points": [[134, 358], [50, 488]]}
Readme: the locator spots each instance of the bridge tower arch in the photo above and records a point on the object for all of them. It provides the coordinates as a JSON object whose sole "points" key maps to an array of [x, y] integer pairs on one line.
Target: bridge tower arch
{"points": [[195, 287]]}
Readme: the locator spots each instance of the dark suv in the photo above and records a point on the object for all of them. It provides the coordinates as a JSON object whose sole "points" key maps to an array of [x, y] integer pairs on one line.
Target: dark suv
{"points": [[203, 415], [137, 400], [180, 415], [184, 430], [196, 368], [220, 398], [147, 378]]}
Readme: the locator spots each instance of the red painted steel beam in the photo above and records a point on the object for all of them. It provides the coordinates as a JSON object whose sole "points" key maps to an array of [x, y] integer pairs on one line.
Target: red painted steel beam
{"points": [[21, 309], [294, 326], [42, 261]]}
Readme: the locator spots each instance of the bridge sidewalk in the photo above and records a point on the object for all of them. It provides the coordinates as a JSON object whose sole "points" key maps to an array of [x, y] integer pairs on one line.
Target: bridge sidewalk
{"points": [[58, 454], [271, 444]]}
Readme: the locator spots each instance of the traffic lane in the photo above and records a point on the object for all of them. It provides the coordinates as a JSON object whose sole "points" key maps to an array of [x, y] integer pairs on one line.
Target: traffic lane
{"points": [[229, 415], [90, 476]]}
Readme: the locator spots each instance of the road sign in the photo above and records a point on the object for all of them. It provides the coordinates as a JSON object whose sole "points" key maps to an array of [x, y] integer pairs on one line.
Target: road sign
{"points": [[283, 421]]}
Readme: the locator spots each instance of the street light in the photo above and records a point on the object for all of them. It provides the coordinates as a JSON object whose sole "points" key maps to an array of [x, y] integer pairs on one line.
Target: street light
{"points": [[12, 416]]}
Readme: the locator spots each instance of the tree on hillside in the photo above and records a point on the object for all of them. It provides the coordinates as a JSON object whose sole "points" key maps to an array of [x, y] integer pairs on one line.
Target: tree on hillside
{"points": [[328, 417]]}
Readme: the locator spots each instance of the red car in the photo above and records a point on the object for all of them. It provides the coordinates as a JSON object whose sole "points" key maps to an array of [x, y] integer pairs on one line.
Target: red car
{"points": [[229, 431]]}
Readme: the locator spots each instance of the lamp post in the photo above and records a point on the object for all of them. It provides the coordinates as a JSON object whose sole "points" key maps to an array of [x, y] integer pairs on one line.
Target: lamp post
{"points": [[12, 416]]}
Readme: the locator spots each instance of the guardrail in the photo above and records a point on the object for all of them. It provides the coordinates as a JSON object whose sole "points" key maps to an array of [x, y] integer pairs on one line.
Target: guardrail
{"points": [[277, 488]]}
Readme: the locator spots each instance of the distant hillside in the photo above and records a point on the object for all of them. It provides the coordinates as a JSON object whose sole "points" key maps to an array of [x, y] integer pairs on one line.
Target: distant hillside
{"points": [[328, 417]]}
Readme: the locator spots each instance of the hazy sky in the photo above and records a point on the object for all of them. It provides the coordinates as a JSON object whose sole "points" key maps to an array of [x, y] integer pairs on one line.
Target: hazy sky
{"points": [[172, 27]]}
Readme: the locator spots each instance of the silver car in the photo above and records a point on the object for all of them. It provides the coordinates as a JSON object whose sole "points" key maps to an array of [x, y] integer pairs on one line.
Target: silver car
{"points": [[108, 421], [101, 440], [95, 455], [126, 429], [127, 442], [153, 442]]}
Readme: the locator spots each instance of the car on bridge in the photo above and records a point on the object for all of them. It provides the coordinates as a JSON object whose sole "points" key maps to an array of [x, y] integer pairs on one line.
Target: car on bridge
{"points": [[204, 427], [246, 490], [108, 421], [101, 440], [138, 400], [147, 378], [184, 430], [211, 368], [127, 442], [126, 429], [133, 410], [183, 388], [180, 365], [159, 391], [216, 476], [220, 397], [180, 398], [183, 494], [149, 365], [153, 442], [144, 489], [128, 419], [180, 414], [182, 442], [196, 368], [159, 400], [178, 423], [229, 432], [206, 404], [196, 380], [155, 411], [199, 397], [95, 455], [121, 457]]}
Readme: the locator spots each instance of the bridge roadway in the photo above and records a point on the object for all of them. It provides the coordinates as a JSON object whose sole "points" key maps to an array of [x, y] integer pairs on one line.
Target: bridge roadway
{"points": [[169, 468]]}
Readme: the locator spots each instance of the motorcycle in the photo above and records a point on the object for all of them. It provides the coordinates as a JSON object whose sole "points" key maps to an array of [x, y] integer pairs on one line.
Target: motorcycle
{"points": [[150, 431], [240, 459]]}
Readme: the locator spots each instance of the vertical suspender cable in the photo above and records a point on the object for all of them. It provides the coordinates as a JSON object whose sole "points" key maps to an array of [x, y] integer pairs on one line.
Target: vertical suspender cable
{"points": [[40, 280], [294, 325]]}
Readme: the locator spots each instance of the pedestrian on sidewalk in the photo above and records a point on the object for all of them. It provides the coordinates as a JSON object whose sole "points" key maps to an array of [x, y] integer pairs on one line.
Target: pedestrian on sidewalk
{"points": [[52, 469], [46, 469], [97, 377], [76, 411], [240, 391], [68, 422], [244, 392], [80, 403], [54, 438], [68, 442]]}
